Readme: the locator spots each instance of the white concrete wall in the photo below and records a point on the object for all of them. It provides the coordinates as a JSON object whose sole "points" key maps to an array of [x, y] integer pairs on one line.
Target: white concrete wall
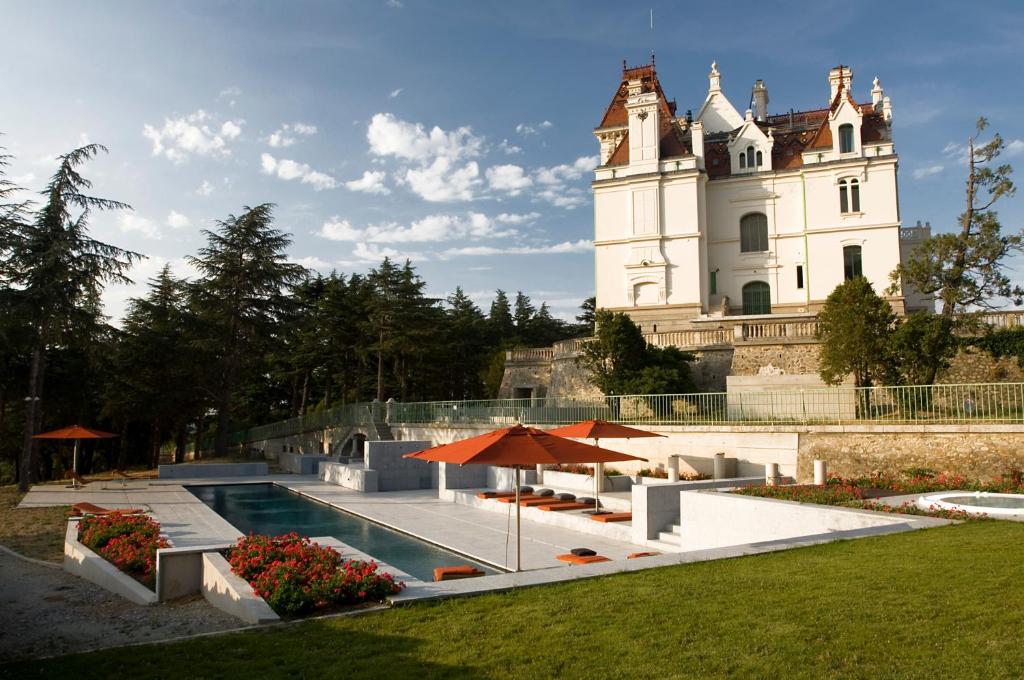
{"points": [[179, 571], [231, 594], [84, 563], [711, 519]]}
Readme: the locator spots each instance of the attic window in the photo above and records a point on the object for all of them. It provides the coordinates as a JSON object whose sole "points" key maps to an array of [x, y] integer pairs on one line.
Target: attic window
{"points": [[759, 159], [846, 138]]}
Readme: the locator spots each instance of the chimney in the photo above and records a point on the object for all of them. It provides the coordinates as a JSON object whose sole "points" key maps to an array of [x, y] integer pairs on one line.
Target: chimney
{"points": [[759, 97], [839, 74], [714, 79]]}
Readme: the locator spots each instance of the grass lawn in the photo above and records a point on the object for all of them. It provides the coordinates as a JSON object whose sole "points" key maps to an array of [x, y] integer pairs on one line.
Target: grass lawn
{"points": [[33, 532], [936, 603]]}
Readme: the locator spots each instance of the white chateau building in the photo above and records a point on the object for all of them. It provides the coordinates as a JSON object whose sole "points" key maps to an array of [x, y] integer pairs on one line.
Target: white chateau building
{"points": [[724, 213]]}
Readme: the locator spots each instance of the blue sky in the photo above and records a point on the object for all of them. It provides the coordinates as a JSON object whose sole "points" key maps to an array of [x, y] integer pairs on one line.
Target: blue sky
{"points": [[458, 134]]}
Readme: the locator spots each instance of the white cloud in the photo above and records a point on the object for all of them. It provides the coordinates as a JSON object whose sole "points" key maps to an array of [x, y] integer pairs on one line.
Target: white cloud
{"points": [[395, 92], [205, 189], [24, 180], [581, 246], [116, 296], [372, 182], [430, 229], [390, 136], [509, 148], [132, 223], [442, 181], [313, 262], [175, 220], [284, 135], [514, 218], [194, 134], [230, 91], [927, 171], [508, 178], [370, 253], [527, 130], [561, 173], [1015, 147], [289, 170], [397, 4]]}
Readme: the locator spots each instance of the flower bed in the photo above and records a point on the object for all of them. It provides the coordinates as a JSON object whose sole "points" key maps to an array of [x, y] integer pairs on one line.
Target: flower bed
{"points": [[857, 492], [577, 469], [129, 542], [295, 575], [661, 473]]}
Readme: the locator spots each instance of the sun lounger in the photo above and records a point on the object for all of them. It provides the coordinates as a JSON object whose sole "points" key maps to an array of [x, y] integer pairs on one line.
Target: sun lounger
{"points": [[456, 572], [613, 517], [535, 502], [558, 507], [633, 556], [90, 509], [483, 495], [578, 559]]}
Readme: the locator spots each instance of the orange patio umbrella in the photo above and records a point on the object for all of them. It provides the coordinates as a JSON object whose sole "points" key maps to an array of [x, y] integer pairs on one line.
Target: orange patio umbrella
{"points": [[598, 430], [77, 433], [517, 446]]}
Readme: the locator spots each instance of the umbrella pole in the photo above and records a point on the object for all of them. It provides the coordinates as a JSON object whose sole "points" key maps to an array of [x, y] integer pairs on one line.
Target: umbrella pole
{"points": [[519, 528], [598, 478], [74, 465]]}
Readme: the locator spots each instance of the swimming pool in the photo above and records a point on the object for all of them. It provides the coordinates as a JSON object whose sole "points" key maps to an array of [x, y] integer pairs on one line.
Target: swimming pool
{"points": [[273, 510]]}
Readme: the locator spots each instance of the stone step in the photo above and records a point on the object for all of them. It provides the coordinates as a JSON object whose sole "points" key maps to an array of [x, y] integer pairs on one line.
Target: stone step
{"points": [[676, 529], [670, 537]]}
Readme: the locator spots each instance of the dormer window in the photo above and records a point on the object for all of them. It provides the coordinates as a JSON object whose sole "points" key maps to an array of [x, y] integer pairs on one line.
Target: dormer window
{"points": [[846, 138], [849, 196], [743, 160], [760, 159]]}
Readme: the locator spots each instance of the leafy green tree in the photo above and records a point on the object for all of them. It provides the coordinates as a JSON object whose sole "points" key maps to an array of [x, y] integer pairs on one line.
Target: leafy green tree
{"points": [[241, 298], [587, 311], [621, 362], [523, 315], [965, 269], [854, 327], [60, 271], [466, 347], [920, 346]]}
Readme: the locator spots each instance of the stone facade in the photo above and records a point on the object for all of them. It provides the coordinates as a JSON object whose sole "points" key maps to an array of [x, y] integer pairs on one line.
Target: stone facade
{"points": [[775, 359], [977, 452]]}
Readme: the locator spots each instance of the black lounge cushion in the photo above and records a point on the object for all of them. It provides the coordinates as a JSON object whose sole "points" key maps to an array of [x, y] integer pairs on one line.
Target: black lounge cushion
{"points": [[543, 493], [526, 489], [582, 552], [565, 496], [586, 499]]}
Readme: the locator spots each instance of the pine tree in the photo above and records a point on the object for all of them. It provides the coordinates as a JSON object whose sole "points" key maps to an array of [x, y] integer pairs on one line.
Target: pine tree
{"points": [[523, 315], [466, 347], [499, 319], [241, 299], [60, 272]]}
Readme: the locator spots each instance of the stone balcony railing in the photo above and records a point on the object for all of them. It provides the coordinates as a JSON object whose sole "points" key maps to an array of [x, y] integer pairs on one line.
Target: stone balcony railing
{"points": [[732, 333]]}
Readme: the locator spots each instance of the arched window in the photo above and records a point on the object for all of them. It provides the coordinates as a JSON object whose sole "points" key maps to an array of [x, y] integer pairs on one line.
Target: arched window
{"points": [[757, 298], [753, 233], [750, 156], [845, 138], [743, 160], [849, 196], [851, 262], [759, 159]]}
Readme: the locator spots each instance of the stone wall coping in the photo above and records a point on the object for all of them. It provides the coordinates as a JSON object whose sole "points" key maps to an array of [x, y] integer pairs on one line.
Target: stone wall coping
{"points": [[862, 428], [84, 563]]}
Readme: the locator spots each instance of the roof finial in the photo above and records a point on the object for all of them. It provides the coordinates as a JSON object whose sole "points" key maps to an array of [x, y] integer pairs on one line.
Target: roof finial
{"points": [[714, 79]]}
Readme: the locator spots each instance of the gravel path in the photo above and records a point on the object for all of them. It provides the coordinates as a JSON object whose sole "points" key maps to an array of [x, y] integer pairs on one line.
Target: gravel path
{"points": [[45, 611]]}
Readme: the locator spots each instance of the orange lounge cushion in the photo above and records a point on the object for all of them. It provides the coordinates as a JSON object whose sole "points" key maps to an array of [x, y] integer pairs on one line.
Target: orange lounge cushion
{"points": [[531, 502], [459, 571], [578, 559], [495, 494], [522, 497], [613, 517], [555, 507], [91, 509], [633, 556]]}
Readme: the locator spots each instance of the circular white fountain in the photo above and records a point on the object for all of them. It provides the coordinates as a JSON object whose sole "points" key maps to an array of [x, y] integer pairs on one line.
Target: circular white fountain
{"points": [[975, 503]]}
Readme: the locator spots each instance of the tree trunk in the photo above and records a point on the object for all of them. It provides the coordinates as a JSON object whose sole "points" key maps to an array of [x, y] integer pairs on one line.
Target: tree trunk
{"points": [[197, 452], [181, 443], [948, 305], [305, 393], [29, 452], [154, 444], [380, 367]]}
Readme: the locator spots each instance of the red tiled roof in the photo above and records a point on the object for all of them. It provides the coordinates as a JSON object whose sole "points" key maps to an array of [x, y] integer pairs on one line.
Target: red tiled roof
{"points": [[621, 154], [615, 115]]}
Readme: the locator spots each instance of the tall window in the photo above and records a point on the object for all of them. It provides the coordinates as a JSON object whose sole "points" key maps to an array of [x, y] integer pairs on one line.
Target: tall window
{"points": [[845, 138], [851, 262], [760, 158], [743, 160], [800, 276], [753, 233], [714, 282], [849, 196], [750, 157], [757, 298]]}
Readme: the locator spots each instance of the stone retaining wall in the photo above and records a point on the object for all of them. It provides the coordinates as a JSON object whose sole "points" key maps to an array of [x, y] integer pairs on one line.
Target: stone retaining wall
{"points": [[968, 452]]}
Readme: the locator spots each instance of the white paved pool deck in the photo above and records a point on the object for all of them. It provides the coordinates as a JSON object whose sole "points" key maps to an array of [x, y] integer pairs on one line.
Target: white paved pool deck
{"points": [[486, 536], [471, 531]]}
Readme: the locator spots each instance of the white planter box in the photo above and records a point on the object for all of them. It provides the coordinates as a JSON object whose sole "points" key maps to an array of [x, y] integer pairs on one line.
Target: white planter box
{"points": [[231, 594], [84, 563], [585, 483]]}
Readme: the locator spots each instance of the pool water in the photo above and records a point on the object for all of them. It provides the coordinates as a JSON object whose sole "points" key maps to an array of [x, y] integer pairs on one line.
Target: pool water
{"points": [[273, 510]]}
